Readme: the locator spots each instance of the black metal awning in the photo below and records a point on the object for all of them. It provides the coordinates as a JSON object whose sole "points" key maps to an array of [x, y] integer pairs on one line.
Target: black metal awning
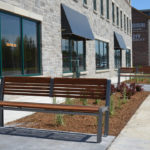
{"points": [[119, 42], [75, 24]]}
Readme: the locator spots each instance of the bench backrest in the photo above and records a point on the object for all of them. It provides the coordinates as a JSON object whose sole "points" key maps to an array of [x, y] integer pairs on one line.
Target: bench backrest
{"points": [[128, 70], [144, 69], [57, 87]]}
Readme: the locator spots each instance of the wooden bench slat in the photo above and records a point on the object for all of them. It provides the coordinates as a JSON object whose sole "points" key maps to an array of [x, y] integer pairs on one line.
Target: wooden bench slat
{"points": [[26, 91], [28, 79], [27, 87], [80, 81], [80, 86], [26, 94], [56, 107], [26, 84], [74, 96], [79, 89], [80, 93]]}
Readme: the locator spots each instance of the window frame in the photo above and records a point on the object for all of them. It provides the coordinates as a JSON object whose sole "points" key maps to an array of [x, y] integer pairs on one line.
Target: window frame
{"points": [[38, 28], [121, 19], [95, 5], [117, 66], [117, 16], [128, 57], [70, 54], [113, 12], [107, 9], [102, 7], [84, 2], [99, 49]]}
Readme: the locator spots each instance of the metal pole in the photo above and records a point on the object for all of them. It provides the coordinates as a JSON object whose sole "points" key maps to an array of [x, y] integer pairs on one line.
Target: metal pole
{"points": [[1, 99]]}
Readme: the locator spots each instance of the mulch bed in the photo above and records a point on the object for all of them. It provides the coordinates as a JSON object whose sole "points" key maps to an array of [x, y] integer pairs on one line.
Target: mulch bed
{"points": [[86, 124]]}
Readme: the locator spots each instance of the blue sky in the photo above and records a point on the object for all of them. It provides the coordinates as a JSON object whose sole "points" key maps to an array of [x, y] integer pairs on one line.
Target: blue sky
{"points": [[141, 4]]}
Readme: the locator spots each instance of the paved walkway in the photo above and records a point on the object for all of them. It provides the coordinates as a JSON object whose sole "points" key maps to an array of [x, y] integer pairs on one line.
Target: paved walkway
{"points": [[136, 134], [31, 139]]}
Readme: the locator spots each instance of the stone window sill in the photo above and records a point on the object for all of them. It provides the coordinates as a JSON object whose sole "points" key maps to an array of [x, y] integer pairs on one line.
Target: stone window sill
{"points": [[101, 71], [95, 12], [67, 74], [83, 72], [85, 6]]}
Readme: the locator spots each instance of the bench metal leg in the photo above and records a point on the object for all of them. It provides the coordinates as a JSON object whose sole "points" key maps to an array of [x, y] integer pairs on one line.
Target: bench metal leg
{"points": [[99, 131], [1, 118], [106, 128]]}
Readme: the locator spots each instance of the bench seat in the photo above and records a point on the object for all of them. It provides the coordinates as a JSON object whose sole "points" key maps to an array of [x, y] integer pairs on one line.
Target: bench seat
{"points": [[54, 107]]}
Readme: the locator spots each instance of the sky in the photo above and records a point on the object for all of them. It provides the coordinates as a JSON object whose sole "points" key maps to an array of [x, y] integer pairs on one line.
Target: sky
{"points": [[141, 4]]}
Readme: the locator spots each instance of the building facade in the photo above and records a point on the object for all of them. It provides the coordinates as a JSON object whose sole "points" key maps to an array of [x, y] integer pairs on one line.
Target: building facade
{"points": [[141, 37], [59, 37]]}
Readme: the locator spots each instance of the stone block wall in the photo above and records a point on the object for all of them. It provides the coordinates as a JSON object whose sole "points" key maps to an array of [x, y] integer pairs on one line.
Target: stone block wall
{"points": [[50, 12]]}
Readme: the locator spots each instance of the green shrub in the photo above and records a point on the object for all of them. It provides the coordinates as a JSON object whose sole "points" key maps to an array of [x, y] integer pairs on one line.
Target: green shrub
{"points": [[97, 101], [68, 101], [119, 103], [54, 100], [124, 95], [59, 120], [112, 106], [84, 101]]}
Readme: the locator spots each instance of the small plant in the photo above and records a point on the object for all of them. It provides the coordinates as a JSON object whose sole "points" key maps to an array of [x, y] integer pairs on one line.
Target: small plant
{"points": [[124, 95], [119, 103], [59, 120], [139, 88], [113, 89], [112, 106], [84, 101], [97, 102], [68, 101], [54, 100]]}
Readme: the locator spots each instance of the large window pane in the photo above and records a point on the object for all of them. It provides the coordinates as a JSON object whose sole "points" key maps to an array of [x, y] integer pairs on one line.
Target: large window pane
{"points": [[66, 56], [102, 55], [73, 55], [10, 34], [81, 55], [128, 58], [31, 60], [118, 58]]}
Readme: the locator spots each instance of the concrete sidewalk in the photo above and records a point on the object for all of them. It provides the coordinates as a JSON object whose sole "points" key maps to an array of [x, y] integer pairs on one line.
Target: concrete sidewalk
{"points": [[31, 139], [136, 134]]}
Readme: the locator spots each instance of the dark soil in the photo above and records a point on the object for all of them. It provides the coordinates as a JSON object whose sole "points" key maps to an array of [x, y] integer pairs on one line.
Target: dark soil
{"points": [[86, 124]]}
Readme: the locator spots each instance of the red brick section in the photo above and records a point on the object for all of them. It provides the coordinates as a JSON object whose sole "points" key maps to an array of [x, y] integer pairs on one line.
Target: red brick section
{"points": [[140, 45]]}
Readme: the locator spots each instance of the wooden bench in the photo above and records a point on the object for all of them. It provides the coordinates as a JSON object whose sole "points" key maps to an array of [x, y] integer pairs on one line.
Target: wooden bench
{"points": [[57, 87], [141, 72]]}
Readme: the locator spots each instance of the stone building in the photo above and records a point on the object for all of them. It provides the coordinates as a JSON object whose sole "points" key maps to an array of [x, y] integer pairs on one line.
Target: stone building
{"points": [[141, 37], [59, 37]]}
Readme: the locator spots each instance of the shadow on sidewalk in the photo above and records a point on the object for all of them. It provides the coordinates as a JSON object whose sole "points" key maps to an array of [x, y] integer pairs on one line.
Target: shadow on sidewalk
{"points": [[48, 134]]}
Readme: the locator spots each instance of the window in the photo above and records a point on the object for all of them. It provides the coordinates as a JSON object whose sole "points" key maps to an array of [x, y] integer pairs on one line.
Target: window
{"points": [[117, 11], [73, 52], [85, 2], [121, 25], [107, 9], [118, 58], [113, 12], [130, 26], [20, 46], [95, 5], [125, 23], [128, 58], [102, 55], [102, 7]]}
